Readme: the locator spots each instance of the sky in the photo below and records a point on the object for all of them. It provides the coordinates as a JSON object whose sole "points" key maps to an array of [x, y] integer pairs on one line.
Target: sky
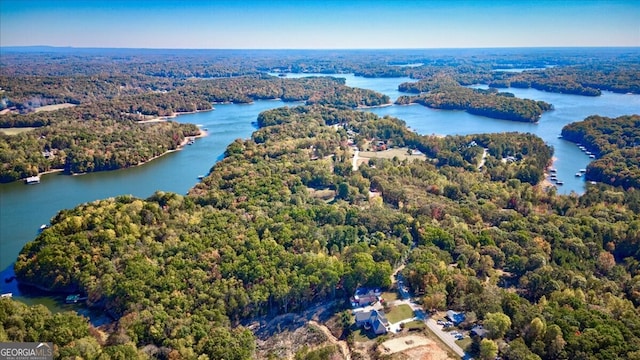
{"points": [[328, 24]]}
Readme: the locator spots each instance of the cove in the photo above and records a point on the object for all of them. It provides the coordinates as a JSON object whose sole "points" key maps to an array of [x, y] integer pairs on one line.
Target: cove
{"points": [[567, 109], [24, 208]]}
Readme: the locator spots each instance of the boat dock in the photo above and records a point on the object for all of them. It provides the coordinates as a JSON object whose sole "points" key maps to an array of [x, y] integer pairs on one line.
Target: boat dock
{"points": [[73, 299], [32, 180]]}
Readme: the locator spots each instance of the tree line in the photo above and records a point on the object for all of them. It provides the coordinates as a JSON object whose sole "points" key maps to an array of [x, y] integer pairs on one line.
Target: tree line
{"points": [[107, 135], [615, 142], [553, 276]]}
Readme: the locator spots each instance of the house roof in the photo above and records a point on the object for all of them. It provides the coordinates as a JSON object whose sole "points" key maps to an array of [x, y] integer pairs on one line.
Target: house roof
{"points": [[378, 326], [380, 317], [478, 330], [362, 316], [454, 316], [365, 299]]}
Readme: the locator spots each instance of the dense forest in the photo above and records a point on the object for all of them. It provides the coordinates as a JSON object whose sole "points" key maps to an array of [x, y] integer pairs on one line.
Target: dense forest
{"points": [[125, 86], [110, 133], [85, 146], [261, 236], [612, 69], [584, 80], [130, 97], [285, 222], [615, 142]]}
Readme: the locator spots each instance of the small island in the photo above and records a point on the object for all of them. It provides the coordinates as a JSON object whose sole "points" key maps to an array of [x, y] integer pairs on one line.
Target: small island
{"points": [[447, 94]]}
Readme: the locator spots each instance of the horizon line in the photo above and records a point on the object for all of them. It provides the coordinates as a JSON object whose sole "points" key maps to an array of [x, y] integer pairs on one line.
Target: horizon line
{"points": [[328, 49]]}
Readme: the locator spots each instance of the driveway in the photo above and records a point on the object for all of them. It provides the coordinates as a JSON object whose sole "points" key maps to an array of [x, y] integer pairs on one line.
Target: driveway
{"points": [[354, 164], [444, 336], [420, 314]]}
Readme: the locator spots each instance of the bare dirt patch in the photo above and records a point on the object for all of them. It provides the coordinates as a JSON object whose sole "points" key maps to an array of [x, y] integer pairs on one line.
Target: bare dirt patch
{"points": [[414, 347], [429, 352]]}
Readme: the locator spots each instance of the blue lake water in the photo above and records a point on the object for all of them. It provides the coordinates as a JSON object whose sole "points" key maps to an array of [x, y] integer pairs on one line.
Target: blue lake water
{"points": [[567, 109], [24, 208]]}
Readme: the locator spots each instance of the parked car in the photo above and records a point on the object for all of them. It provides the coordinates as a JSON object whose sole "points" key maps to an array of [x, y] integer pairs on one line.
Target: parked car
{"points": [[440, 322]]}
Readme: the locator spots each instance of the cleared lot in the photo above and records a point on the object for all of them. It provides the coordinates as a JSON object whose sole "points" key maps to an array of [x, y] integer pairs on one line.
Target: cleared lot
{"points": [[415, 347]]}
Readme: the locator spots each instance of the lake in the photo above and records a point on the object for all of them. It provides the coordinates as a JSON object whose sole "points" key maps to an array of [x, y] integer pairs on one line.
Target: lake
{"points": [[23, 208]]}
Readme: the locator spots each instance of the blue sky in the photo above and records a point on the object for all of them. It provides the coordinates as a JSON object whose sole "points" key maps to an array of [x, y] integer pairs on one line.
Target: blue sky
{"points": [[325, 24]]}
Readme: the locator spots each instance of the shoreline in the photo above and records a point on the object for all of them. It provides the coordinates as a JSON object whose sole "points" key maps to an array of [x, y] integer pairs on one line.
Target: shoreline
{"points": [[181, 146], [359, 107], [172, 116], [53, 171], [546, 182]]}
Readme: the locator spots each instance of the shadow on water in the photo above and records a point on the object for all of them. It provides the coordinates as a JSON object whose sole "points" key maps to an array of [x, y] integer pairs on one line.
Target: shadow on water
{"points": [[53, 301]]}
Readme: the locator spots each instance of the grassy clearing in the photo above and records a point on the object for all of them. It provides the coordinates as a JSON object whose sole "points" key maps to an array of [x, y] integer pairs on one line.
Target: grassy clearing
{"points": [[53, 107], [399, 313], [362, 335], [401, 153], [15, 131], [464, 343], [390, 296], [415, 324]]}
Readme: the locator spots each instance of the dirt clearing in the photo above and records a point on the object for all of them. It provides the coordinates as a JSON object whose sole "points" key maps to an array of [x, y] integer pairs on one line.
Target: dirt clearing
{"points": [[414, 347]]}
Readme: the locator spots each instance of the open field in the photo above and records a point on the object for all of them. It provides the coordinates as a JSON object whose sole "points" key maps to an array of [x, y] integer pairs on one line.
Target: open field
{"points": [[53, 107], [15, 131], [323, 194], [401, 153]]}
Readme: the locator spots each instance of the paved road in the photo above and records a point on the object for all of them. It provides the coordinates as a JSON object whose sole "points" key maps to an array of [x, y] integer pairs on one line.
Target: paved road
{"points": [[445, 337]]}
